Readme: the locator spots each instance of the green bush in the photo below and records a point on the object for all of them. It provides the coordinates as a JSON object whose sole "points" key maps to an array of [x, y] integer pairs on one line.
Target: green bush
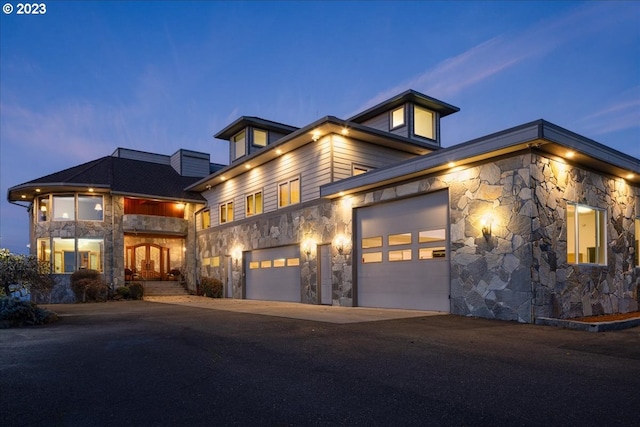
{"points": [[14, 312], [211, 287], [122, 292], [87, 285], [136, 290]]}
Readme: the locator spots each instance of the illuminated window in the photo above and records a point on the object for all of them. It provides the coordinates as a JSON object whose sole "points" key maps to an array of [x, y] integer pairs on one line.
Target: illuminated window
{"points": [[44, 250], [44, 209], [254, 264], [90, 254], [64, 255], [90, 208], [423, 122], [402, 255], [226, 212], [586, 235], [397, 117], [289, 192], [372, 242], [265, 264], [64, 208], [359, 170], [400, 239], [432, 236], [259, 138], [206, 219], [215, 261], [431, 253], [293, 262], [239, 145], [280, 262], [253, 205], [371, 257]]}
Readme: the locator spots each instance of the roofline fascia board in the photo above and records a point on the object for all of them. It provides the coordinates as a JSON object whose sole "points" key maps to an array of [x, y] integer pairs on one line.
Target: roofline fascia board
{"points": [[515, 139], [308, 130], [156, 197], [589, 147]]}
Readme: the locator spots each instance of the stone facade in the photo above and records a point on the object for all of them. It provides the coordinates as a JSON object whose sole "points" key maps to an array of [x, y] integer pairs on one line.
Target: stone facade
{"points": [[517, 272]]}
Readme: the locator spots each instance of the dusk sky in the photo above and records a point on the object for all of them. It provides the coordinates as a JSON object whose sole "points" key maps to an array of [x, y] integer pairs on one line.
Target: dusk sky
{"points": [[88, 77]]}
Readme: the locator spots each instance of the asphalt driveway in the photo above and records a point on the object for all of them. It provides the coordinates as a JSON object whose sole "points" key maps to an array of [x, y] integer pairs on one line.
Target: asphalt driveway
{"points": [[154, 364]]}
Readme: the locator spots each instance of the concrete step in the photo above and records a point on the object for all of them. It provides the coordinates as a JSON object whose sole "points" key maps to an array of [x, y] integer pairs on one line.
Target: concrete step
{"points": [[154, 288]]}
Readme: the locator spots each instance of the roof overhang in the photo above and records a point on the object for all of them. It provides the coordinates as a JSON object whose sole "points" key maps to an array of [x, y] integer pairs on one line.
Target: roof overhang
{"points": [[320, 128], [28, 192], [539, 135], [245, 121]]}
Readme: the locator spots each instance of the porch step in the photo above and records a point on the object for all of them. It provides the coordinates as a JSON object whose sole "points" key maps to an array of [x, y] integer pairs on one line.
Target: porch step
{"points": [[157, 288]]}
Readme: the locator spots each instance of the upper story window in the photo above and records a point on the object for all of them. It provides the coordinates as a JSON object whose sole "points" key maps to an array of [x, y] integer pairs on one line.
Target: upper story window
{"points": [[226, 212], [64, 208], [253, 204], [586, 235], [397, 117], [44, 208], [423, 123], [359, 169], [259, 138], [289, 192], [239, 144], [90, 208], [206, 219]]}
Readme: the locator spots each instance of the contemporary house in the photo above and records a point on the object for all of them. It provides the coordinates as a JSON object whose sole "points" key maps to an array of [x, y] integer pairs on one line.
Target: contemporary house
{"points": [[534, 221]]}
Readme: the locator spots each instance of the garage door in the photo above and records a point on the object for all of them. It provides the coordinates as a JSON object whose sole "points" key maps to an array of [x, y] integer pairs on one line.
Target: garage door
{"points": [[403, 254], [273, 274]]}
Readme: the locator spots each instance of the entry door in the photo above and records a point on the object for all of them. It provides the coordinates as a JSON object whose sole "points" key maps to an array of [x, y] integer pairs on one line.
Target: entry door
{"points": [[326, 275]]}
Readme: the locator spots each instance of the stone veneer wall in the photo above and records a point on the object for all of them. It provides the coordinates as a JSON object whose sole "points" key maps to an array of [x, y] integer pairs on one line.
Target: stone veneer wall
{"points": [[490, 277], [565, 290], [318, 222]]}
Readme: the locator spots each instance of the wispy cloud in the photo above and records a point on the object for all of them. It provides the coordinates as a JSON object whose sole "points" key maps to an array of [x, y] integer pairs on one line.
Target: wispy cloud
{"points": [[505, 51], [619, 113]]}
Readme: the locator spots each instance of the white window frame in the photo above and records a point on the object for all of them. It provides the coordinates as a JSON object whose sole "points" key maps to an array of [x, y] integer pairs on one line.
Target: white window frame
{"points": [[228, 208], [600, 235], [281, 203], [256, 211]]}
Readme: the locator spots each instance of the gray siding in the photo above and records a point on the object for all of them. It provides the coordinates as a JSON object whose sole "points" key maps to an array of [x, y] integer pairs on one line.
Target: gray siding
{"points": [[141, 155], [382, 122], [347, 152], [190, 163]]}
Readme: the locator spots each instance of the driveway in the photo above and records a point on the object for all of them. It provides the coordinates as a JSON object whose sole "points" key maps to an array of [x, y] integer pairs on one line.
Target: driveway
{"points": [[166, 364]]}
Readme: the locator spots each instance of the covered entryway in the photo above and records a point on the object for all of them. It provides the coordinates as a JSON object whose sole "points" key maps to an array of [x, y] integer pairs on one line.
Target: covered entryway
{"points": [[403, 254], [273, 274]]}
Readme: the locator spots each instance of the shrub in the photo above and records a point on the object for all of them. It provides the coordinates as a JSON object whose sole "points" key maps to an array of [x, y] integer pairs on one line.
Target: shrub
{"points": [[123, 292], [136, 291], [87, 285], [211, 287], [14, 312]]}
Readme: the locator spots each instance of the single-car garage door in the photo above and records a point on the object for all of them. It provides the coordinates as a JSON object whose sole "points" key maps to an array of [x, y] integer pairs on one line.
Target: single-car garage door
{"points": [[273, 274], [403, 254]]}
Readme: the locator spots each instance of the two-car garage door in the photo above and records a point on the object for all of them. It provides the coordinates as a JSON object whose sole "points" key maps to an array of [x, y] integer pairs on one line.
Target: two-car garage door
{"points": [[403, 254]]}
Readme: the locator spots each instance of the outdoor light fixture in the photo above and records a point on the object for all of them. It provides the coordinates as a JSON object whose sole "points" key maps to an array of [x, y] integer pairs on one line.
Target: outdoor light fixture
{"points": [[486, 223], [307, 246], [315, 135], [342, 243], [236, 254]]}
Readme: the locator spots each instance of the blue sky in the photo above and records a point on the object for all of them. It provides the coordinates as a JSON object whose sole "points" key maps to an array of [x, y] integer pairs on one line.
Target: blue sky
{"points": [[88, 77]]}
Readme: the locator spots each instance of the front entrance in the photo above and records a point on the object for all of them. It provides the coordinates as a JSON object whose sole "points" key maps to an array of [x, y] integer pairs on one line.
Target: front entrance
{"points": [[148, 261]]}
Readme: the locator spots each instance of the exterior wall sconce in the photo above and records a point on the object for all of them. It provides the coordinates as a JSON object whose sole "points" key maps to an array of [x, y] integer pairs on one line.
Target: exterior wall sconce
{"points": [[307, 246], [236, 254], [486, 223], [342, 243]]}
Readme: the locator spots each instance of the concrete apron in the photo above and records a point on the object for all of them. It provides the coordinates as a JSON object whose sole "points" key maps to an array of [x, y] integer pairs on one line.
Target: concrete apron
{"points": [[292, 310]]}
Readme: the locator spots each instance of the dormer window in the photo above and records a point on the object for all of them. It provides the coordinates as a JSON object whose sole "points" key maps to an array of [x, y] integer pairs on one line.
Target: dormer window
{"points": [[239, 144], [423, 123], [259, 138], [397, 117]]}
